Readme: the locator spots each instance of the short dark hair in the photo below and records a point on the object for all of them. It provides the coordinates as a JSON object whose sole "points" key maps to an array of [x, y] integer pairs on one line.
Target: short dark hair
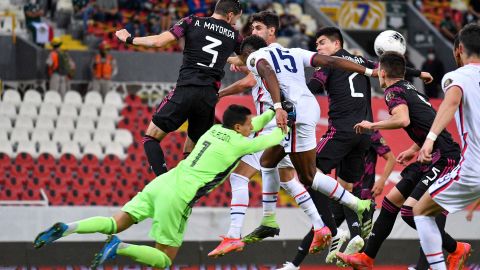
{"points": [[224, 7], [268, 18], [332, 33], [470, 38], [456, 42], [235, 114], [253, 42], [393, 63]]}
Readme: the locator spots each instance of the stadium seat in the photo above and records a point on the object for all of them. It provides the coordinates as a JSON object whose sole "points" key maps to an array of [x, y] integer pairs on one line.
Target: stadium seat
{"points": [[5, 148], [25, 122], [123, 136], [29, 195], [106, 124], [5, 123], [48, 147], [44, 122], [32, 97], [93, 98], [40, 135], [41, 171], [115, 149], [8, 110], [133, 100], [68, 110], [19, 134], [52, 98], [112, 161], [93, 148], [103, 137], [3, 135], [72, 98], [28, 109], [47, 109], [85, 172], [12, 97], [82, 136], [46, 160], [113, 98], [61, 135], [91, 161], [65, 123], [68, 159], [89, 110], [109, 111], [85, 123], [27, 147], [70, 148]]}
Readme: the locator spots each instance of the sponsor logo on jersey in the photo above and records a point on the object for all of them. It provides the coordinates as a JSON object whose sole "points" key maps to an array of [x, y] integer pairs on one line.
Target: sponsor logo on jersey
{"points": [[447, 83], [389, 96]]}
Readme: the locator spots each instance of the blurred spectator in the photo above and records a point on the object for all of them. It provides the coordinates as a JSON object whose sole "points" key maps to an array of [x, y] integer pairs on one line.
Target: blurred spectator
{"points": [[198, 7], [33, 16], [60, 67], [135, 27], [103, 67], [82, 9], [448, 27], [107, 10], [300, 39], [435, 67], [474, 8], [287, 25]]}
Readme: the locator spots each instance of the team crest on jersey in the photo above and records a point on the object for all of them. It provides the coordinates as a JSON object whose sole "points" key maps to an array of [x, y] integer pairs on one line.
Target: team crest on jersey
{"points": [[382, 141], [447, 83], [389, 96], [252, 62]]}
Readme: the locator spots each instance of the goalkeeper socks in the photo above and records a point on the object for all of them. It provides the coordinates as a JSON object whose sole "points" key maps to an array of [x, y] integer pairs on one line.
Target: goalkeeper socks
{"points": [[145, 255], [105, 225]]}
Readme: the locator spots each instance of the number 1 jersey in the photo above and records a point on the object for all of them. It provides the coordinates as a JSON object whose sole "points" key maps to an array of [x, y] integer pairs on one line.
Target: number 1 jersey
{"points": [[208, 44]]}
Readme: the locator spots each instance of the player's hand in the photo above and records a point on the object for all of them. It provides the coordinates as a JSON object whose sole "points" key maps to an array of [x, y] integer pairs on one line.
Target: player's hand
{"points": [[122, 35], [375, 73], [236, 61], [426, 77], [281, 117], [404, 157], [469, 216], [425, 154], [377, 188], [363, 127]]}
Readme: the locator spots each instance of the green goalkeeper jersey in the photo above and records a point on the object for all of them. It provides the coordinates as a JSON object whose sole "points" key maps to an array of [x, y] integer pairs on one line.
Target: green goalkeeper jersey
{"points": [[216, 154]]}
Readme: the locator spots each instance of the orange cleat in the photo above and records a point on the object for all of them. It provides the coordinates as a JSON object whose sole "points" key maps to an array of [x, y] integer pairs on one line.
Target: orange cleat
{"points": [[457, 259], [359, 261], [226, 246], [321, 239]]}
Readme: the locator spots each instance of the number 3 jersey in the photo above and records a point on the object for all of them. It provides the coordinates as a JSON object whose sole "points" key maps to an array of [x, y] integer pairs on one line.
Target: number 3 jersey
{"points": [[208, 44]]}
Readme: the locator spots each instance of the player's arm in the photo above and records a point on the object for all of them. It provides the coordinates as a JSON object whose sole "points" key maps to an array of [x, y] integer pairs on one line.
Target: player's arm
{"points": [[149, 41], [239, 86], [445, 114], [316, 85], [406, 156], [424, 76], [261, 142], [387, 170], [260, 121], [399, 119], [319, 60]]}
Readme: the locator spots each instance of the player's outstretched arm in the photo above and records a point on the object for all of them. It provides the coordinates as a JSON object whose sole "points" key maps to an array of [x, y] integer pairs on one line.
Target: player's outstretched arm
{"points": [[239, 86], [339, 63], [399, 119], [149, 41], [260, 121], [263, 142], [445, 114], [387, 170]]}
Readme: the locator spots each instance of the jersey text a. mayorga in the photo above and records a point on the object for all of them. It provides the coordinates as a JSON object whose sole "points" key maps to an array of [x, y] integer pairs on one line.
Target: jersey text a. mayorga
{"points": [[208, 44]]}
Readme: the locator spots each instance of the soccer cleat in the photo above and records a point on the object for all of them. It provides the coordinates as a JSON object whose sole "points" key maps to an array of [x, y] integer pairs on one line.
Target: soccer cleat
{"points": [[354, 246], [108, 252], [359, 261], [336, 244], [457, 259], [53, 233], [226, 246], [321, 238], [289, 266], [260, 233], [365, 210]]}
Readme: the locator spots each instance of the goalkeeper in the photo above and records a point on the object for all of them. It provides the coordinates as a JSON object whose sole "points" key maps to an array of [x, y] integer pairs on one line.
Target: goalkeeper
{"points": [[169, 198]]}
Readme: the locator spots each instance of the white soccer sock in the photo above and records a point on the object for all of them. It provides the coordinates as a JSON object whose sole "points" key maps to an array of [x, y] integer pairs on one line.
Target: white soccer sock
{"points": [[331, 188], [238, 205], [431, 241], [303, 199], [270, 188]]}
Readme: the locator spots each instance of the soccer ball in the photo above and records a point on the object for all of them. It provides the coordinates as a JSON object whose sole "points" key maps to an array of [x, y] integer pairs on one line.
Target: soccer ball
{"points": [[390, 40]]}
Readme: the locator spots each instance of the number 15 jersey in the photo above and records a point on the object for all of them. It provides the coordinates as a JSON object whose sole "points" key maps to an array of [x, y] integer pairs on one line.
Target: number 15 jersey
{"points": [[208, 44]]}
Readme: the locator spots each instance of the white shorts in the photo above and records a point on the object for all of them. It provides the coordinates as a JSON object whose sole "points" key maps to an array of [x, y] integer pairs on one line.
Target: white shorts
{"points": [[454, 192], [254, 161], [303, 136]]}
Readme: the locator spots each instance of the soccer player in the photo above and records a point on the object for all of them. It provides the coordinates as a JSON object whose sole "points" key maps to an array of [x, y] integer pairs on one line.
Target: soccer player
{"points": [[461, 186], [287, 65], [169, 198], [209, 41], [411, 111], [265, 24]]}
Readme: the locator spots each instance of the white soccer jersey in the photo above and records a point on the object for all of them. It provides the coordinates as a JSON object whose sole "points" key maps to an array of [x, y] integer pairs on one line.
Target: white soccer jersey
{"points": [[467, 116]]}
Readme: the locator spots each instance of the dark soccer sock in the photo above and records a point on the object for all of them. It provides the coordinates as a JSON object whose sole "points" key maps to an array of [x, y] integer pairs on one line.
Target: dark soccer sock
{"points": [[352, 222], [154, 155], [422, 263], [302, 251], [338, 213], [407, 215], [382, 228], [322, 203]]}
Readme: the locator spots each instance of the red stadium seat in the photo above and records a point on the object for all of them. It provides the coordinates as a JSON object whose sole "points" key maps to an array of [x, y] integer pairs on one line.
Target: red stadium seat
{"points": [[25, 160], [5, 161], [30, 195], [63, 172], [57, 196], [9, 194], [68, 160], [133, 100], [87, 172], [113, 162], [46, 160], [79, 184], [90, 160], [19, 171]]}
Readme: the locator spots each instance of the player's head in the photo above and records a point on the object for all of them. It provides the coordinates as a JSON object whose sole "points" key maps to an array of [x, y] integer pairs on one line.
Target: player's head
{"points": [[250, 45], [329, 40], [238, 118], [231, 10], [392, 67], [469, 42], [265, 24]]}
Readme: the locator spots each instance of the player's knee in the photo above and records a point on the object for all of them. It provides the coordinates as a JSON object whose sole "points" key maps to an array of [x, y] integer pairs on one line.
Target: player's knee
{"points": [[238, 182], [406, 212], [155, 132], [267, 162], [395, 197]]}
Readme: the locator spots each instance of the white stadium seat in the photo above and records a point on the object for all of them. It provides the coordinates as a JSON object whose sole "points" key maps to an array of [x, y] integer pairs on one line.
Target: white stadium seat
{"points": [[32, 97], [113, 98], [5, 123], [115, 149], [52, 97], [3, 135], [71, 148], [12, 97], [61, 136], [82, 136], [85, 123], [28, 109], [106, 124], [123, 136], [48, 109], [109, 111], [66, 123], [19, 134], [44, 122], [40, 135], [73, 98], [89, 110], [103, 137], [8, 110], [6, 147], [93, 98], [68, 110], [48, 147], [27, 147], [94, 149], [23, 121]]}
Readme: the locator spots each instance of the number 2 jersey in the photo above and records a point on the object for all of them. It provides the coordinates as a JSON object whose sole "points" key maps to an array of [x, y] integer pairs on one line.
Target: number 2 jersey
{"points": [[208, 44]]}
